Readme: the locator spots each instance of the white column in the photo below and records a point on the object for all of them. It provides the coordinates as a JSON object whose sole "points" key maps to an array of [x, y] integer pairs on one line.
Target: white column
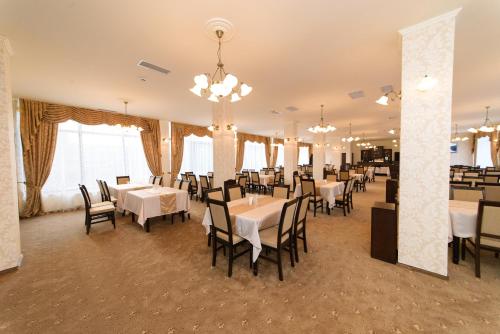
{"points": [[10, 241], [224, 149], [165, 151], [318, 156], [290, 150], [425, 139]]}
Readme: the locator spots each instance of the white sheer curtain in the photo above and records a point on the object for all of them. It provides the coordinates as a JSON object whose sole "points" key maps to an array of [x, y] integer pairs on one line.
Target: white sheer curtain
{"points": [[303, 155], [198, 155], [483, 152], [255, 156], [85, 153], [280, 157]]}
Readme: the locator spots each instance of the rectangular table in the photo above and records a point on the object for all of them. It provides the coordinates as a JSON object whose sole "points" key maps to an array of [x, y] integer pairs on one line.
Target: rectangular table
{"points": [[248, 219], [149, 203], [119, 191], [462, 223], [326, 189]]}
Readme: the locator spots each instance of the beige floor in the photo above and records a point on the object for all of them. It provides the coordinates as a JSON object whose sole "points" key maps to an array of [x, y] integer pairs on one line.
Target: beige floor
{"points": [[128, 281]]}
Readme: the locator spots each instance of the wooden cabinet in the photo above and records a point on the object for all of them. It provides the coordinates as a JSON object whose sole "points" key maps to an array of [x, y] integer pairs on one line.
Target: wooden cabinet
{"points": [[384, 232]]}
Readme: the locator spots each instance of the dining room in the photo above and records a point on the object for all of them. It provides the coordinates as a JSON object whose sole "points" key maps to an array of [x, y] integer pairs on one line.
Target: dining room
{"points": [[174, 167]]}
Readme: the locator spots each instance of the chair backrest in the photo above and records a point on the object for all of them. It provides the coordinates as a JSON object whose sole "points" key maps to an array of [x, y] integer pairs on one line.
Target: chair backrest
{"points": [[308, 186], [351, 183], [491, 178], [461, 183], [277, 177], [204, 182], [296, 179], [491, 190], [194, 182], [331, 177], [242, 180], [123, 179], [472, 179], [158, 180], [216, 193], [469, 194], [303, 207], [237, 176], [184, 177], [234, 192], [493, 172], [152, 179], [281, 191], [101, 190], [177, 184], [360, 170], [287, 218], [255, 178], [210, 174], [344, 175], [86, 197], [221, 221], [107, 194], [472, 174], [488, 224], [185, 185], [211, 181]]}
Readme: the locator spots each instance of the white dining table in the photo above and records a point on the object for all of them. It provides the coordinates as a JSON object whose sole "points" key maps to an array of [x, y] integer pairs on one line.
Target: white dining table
{"points": [[154, 202], [119, 191], [254, 218], [327, 190], [265, 180], [357, 177], [462, 223], [383, 170]]}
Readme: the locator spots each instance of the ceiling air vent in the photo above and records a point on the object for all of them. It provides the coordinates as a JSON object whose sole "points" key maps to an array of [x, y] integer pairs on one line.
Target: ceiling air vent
{"points": [[153, 67], [357, 94], [274, 112], [291, 108], [386, 89]]}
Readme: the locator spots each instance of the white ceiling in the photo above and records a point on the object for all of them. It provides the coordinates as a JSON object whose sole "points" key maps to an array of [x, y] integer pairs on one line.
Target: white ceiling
{"points": [[293, 52]]}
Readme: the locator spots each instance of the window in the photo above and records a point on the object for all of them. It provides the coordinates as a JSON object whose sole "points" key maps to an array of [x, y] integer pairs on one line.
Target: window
{"points": [[198, 155], [280, 157], [483, 152], [85, 153], [255, 156], [304, 155]]}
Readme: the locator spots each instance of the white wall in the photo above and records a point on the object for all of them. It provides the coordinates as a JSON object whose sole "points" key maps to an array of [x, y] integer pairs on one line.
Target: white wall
{"points": [[464, 152]]}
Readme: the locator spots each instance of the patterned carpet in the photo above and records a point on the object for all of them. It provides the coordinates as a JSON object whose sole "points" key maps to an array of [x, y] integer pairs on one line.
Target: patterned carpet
{"points": [[128, 281]]}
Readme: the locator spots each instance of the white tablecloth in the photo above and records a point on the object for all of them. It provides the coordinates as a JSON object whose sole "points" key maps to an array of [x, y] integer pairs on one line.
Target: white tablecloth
{"points": [[357, 177], [328, 190], [369, 172], [120, 190], [463, 218], [250, 222], [383, 170], [266, 179], [146, 203]]}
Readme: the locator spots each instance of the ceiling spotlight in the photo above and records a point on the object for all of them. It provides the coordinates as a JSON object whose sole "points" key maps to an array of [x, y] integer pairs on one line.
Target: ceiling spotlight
{"points": [[392, 131], [384, 99]]}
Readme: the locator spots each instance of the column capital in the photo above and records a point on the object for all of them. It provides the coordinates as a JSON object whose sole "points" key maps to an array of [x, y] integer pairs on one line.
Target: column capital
{"points": [[5, 44], [430, 22]]}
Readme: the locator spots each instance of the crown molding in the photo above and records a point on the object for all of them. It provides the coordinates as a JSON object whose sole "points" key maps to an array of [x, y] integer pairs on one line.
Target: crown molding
{"points": [[429, 22], [5, 44]]}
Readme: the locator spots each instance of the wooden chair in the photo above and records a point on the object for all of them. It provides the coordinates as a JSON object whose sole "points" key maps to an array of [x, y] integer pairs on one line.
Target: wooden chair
{"points": [[344, 176], [205, 186], [362, 184], [491, 190], [185, 185], [308, 186], [472, 179], [342, 201], [256, 183], [234, 192], [471, 174], [350, 193], [281, 191], [360, 170], [177, 184], [491, 178], [461, 184], [296, 180], [101, 190], [218, 195], [107, 194], [487, 232], [222, 233], [193, 189], [242, 181], [210, 174], [99, 213], [469, 194], [158, 181], [211, 181], [300, 223], [184, 177], [331, 177], [123, 179], [152, 179], [276, 181], [279, 238]]}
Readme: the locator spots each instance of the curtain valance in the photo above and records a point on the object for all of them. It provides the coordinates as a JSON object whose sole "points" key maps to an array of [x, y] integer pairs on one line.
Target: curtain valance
{"points": [[240, 148], [39, 124]]}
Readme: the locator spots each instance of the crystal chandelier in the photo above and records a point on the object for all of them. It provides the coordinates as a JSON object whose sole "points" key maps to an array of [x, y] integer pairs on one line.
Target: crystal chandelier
{"points": [[486, 127], [128, 128], [364, 143], [321, 127], [350, 138], [220, 84], [457, 138]]}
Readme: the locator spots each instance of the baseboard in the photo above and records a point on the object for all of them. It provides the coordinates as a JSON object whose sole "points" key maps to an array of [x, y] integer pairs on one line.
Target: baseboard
{"points": [[19, 263], [430, 273]]}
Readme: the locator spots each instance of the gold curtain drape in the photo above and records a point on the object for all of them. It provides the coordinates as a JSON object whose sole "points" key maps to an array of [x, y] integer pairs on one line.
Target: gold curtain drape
{"points": [[240, 150], [179, 131], [39, 122], [39, 144], [275, 151]]}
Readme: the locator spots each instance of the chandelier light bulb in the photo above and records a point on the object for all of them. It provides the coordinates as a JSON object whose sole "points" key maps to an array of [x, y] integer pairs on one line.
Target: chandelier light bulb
{"points": [[213, 98], [201, 81], [485, 128], [427, 83], [230, 81], [196, 90], [245, 89], [465, 138], [472, 130], [383, 100], [235, 97], [392, 131]]}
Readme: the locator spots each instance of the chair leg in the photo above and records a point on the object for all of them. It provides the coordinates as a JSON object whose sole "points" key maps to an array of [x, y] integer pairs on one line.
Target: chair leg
{"points": [[477, 262], [280, 268], [291, 248], [214, 250], [296, 248], [463, 248], [230, 267], [343, 207], [496, 255], [256, 267], [304, 238], [251, 257], [113, 221], [314, 205], [209, 239], [350, 200]]}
